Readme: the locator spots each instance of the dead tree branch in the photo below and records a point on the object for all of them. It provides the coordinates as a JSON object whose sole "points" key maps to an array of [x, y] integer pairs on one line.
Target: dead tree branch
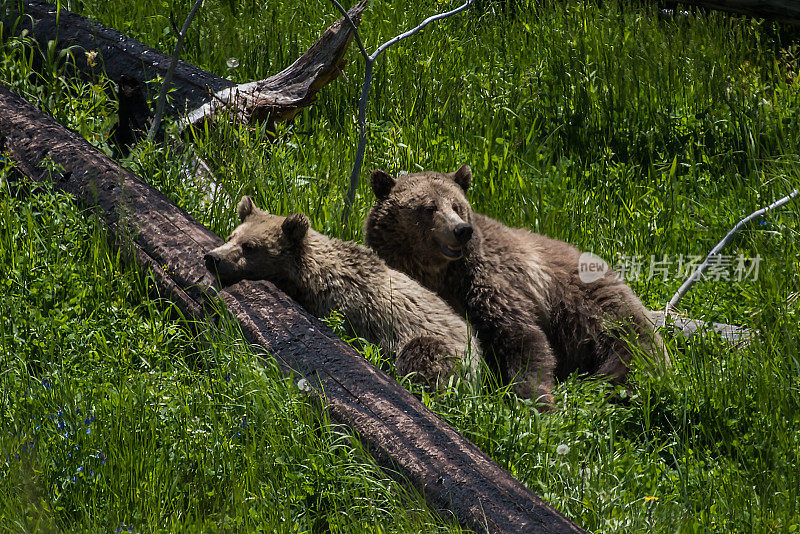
{"points": [[130, 63], [369, 62], [202, 94], [673, 302]]}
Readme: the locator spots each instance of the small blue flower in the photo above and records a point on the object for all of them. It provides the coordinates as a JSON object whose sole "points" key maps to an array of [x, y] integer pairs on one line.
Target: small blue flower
{"points": [[88, 430], [80, 468]]}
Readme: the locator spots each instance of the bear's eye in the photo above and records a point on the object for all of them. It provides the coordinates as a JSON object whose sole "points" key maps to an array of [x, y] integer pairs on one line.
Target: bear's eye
{"points": [[248, 247], [430, 208]]}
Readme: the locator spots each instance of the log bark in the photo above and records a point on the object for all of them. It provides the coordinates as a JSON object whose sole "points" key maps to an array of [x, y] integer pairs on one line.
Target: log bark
{"points": [[401, 433], [197, 93], [780, 10]]}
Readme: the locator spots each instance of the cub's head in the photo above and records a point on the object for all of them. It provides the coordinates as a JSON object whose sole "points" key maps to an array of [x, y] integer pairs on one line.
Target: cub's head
{"points": [[263, 246], [421, 219]]}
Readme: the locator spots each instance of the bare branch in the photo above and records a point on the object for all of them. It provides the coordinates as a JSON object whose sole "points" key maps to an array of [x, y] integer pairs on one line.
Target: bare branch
{"points": [[425, 22], [718, 248], [346, 15], [162, 95], [369, 61]]}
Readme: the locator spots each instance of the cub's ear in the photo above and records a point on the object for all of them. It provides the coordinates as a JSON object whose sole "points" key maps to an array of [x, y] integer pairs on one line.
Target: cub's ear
{"points": [[463, 177], [245, 208], [295, 227], [382, 183]]}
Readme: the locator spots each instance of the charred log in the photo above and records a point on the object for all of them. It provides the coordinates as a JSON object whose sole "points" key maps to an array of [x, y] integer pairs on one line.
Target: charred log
{"points": [[198, 94]]}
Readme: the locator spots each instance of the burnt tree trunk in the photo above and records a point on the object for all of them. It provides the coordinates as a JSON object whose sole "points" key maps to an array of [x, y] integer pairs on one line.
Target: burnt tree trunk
{"points": [[397, 429], [779, 10], [200, 94], [197, 93]]}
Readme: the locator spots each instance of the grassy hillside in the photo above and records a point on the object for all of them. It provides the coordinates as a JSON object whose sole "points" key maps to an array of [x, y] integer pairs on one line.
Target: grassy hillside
{"points": [[639, 138]]}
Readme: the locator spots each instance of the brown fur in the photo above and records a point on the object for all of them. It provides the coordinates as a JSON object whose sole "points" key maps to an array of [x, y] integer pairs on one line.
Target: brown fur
{"points": [[536, 320], [379, 304]]}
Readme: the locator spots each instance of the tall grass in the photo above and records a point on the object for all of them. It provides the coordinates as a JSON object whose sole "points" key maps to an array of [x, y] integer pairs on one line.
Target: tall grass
{"points": [[117, 414], [630, 135]]}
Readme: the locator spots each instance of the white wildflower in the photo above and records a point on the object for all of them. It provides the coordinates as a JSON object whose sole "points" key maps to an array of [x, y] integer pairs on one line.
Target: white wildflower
{"points": [[91, 57]]}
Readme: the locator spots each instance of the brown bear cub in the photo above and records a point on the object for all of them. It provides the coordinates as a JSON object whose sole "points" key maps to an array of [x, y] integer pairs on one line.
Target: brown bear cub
{"points": [[379, 304], [536, 317]]}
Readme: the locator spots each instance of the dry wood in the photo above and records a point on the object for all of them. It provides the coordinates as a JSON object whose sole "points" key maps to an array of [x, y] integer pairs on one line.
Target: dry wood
{"points": [[780, 10], [129, 63], [199, 93], [687, 327], [401, 433]]}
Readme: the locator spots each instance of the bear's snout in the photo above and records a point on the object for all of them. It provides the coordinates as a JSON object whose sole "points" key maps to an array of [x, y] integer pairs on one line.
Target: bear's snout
{"points": [[463, 232], [212, 260]]}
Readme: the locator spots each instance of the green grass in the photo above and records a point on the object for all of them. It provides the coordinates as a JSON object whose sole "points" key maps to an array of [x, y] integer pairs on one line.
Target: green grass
{"points": [[603, 125], [118, 414]]}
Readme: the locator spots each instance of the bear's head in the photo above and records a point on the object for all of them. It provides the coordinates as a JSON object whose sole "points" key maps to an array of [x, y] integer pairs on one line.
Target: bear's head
{"points": [[420, 219], [262, 247]]}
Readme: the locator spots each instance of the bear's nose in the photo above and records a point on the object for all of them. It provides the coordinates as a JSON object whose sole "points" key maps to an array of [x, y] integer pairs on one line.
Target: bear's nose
{"points": [[211, 261], [463, 232]]}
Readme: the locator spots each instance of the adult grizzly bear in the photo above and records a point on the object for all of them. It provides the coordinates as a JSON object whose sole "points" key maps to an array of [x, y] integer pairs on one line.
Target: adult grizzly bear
{"points": [[536, 319], [379, 304]]}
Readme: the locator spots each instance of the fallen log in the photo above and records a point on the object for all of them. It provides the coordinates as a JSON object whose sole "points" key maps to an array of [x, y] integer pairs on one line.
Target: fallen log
{"points": [[401, 433], [129, 63], [197, 94], [780, 10]]}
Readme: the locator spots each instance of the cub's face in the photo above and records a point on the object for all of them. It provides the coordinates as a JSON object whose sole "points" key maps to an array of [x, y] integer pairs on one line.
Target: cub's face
{"points": [[420, 218], [263, 246]]}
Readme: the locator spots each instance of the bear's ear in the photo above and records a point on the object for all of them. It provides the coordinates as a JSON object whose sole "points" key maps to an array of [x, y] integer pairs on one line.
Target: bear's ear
{"points": [[244, 208], [382, 183], [463, 177], [295, 227]]}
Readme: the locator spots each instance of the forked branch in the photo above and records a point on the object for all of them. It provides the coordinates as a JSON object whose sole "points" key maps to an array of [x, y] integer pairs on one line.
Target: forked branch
{"points": [[369, 62]]}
